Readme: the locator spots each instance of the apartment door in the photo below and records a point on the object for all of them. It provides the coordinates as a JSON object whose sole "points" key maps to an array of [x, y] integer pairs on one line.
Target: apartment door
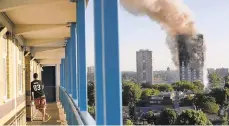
{"points": [[48, 78]]}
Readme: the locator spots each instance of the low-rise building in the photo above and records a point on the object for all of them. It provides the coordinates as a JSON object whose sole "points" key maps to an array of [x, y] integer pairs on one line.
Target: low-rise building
{"points": [[155, 103], [91, 74]]}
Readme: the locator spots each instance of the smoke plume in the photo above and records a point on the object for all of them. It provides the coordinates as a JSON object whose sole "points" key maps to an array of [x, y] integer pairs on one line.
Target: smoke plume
{"points": [[176, 19], [173, 15]]}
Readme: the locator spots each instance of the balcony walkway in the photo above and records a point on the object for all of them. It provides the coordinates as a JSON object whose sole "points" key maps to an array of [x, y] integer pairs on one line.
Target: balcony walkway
{"points": [[57, 116]]}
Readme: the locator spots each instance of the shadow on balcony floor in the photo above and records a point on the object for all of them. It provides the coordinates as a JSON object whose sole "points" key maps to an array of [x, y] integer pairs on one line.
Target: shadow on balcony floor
{"points": [[56, 112]]}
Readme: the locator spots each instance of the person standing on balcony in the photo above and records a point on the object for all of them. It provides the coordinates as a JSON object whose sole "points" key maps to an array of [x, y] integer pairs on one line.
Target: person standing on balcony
{"points": [[38, 95]]}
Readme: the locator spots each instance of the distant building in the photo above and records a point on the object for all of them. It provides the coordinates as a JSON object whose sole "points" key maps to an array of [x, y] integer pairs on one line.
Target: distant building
{"points": [[91, 69], [210, 70], [187, 71], [172, 76], [144, 66], [91, 73], [158, 103], [162, 77], [129, 76], [164, 98], [155, 104], [222, 72]]}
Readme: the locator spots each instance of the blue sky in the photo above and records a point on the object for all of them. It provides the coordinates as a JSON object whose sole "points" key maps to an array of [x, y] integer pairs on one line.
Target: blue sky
{"points": [[211, 17]]}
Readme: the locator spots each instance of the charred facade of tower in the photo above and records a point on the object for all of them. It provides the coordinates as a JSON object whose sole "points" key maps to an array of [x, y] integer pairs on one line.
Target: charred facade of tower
{"points": [[191, 57]]}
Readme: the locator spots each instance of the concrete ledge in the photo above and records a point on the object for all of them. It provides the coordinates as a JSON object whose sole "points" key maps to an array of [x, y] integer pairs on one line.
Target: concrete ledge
{"points": [[82, 117], [87, 118], [73, 107]]}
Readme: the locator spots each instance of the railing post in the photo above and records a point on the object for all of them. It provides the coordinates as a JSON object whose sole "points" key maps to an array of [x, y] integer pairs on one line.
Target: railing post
{"points": [[99, 97], [81, 54], [74, 77], [112, 97]]}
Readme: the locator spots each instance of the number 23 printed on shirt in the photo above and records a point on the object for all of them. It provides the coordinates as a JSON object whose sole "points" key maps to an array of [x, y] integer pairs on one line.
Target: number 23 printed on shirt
{"points": [[37, 87]]}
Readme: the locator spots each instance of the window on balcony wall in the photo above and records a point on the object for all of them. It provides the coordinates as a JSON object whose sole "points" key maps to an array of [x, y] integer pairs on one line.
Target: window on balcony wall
{"points": [[4, 67], [14, 78], [20, 71]]}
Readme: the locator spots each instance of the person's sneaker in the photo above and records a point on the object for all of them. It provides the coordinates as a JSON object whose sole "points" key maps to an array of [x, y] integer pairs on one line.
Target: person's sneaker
{"points": [[48, 118]]}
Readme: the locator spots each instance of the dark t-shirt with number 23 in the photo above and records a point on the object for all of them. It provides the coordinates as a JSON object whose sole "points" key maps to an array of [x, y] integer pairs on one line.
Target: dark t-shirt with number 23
{"points": [[38, 88]]}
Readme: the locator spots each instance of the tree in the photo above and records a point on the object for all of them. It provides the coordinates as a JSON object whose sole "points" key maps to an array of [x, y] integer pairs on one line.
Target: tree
{"points": [[224, 119], [192, 117], [131, 107], [91, 110], [155, 92], [128, 122], [146, 93], [149, 92], [168, 117], [146, 85], [199, 86], [184, 86], [206, 103], [226, 78], [214, 80], [210, 107], [131, 92], [91, 94], [163, 87], [220, 95], [150, 118]]}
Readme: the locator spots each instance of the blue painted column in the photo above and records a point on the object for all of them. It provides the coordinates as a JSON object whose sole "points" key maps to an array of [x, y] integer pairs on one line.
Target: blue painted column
{"points": [[99, 94], [61, 74], [112, 98], [61, 81], [81, 55], [74, 77], [70, 66], [66, 66], [64, 86]]}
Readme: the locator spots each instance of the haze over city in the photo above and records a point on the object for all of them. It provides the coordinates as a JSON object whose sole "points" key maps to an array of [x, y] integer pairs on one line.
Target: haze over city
{"points": [[142, 33]]}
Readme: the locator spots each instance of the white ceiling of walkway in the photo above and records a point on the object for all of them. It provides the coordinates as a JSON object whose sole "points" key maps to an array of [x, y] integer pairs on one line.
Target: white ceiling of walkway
{"points": [[42, 24]]}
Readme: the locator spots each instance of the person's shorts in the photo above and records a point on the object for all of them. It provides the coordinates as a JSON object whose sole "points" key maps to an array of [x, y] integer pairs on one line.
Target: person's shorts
{"points": [[40, 102]]}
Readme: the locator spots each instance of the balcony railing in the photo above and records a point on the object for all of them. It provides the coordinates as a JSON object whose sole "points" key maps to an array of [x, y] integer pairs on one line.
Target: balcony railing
{"points": [[73, 114]]}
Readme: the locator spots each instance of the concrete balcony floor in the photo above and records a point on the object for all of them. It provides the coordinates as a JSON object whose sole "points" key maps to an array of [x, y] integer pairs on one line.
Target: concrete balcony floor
{"points": [[56, 112]]}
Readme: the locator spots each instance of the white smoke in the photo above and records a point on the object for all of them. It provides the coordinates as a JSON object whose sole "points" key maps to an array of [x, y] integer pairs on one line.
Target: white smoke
{"points": [[205, 77], [174, 16]]}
